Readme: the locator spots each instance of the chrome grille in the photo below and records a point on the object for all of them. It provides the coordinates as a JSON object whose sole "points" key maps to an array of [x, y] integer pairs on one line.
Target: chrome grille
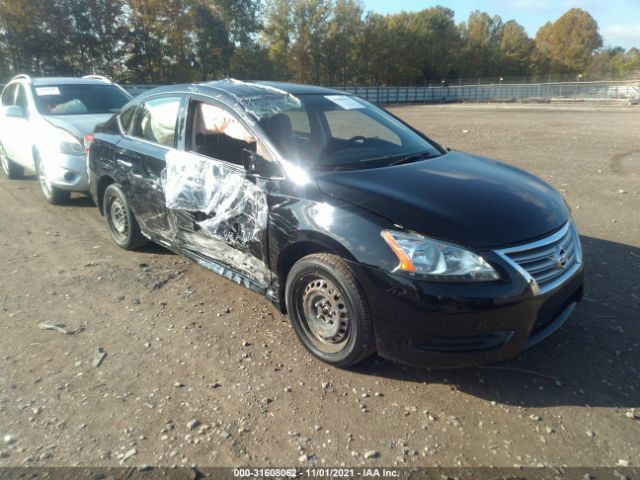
{"points": [[548, 262]]}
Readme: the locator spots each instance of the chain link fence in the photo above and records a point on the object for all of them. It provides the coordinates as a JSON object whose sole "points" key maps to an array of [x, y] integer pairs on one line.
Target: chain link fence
{"points": [[499, 92], [502, 92]]}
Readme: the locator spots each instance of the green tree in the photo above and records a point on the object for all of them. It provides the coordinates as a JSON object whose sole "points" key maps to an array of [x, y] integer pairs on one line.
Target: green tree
{"points": [[481, 55], [311, 23], [341, 54], [515, 50], [373, 51], [277, 36], [211, 44], [566, 45]]}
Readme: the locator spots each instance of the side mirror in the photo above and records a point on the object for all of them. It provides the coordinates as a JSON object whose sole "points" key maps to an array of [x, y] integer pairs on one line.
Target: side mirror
{"points": [[255, 164], [13, 111]]}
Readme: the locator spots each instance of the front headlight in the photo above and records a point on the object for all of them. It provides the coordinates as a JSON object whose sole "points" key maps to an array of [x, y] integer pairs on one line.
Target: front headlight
{"points": [[69, 145], [437, 260]]}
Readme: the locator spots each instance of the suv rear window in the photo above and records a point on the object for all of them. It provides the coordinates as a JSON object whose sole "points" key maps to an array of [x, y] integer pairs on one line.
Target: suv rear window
{"points": [[9, 95], [78, 99]]}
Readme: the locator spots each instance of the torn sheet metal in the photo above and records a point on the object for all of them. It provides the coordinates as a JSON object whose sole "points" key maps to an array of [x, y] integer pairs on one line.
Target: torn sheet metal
{"points": [[234, 208]]}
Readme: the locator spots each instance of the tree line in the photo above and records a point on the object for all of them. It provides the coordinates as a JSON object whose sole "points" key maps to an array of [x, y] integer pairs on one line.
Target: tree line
{"points": [[331, 42]]}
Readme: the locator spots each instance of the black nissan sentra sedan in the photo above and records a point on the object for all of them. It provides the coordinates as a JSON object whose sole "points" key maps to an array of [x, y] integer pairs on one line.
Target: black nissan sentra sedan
{"points": [[368, 234]]}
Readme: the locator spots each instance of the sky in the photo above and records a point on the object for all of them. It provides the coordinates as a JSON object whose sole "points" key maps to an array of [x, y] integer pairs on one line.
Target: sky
{"points": [[619, 20]]}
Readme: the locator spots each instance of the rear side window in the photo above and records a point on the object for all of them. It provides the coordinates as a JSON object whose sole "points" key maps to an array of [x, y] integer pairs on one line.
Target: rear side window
{"points": [[126, 117], [21, 98], [217, 133], [8, 95], [156, 120]]}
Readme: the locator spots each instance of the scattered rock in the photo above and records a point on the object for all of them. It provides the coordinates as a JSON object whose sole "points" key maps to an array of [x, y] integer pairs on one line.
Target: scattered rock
{"points": [[193, 424], [590, 433], [59, 328], [623, 463], [304, 458], [535, 418], [371, 454], [9, 439], [128, 455], [99, 357], [246, 344]]}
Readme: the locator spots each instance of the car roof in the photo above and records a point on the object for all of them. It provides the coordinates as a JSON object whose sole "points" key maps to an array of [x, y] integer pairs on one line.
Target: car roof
{"points": [[239, 89], [40, 81]]}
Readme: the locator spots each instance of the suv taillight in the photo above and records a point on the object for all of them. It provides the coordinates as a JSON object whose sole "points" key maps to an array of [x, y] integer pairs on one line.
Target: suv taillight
{"points": [[88, 140]]}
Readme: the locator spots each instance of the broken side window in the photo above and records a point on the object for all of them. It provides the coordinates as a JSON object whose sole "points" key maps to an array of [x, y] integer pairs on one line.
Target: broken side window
{"points": [[217, 133]]}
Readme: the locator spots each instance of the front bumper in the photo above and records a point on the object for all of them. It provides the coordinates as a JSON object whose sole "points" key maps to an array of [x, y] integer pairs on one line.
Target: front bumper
{"points": [[451, 325], [67, 172]]}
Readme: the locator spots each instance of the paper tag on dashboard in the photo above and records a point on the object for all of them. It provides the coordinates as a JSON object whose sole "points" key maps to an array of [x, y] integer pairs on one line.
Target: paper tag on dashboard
{"points": [[44, 91], [344, 101]]}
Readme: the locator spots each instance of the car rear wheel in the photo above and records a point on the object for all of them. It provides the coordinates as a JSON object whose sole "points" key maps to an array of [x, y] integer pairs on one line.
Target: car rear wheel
{"points": [[10, 168], [328, 310], [121, 223], [53, 195]]}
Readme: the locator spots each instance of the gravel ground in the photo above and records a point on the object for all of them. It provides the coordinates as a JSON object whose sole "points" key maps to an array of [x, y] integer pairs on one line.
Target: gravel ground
{"points": [[199, 371]]}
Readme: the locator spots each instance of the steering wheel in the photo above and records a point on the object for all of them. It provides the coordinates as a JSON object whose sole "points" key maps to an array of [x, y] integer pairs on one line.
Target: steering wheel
{"points": [[358, 139]]}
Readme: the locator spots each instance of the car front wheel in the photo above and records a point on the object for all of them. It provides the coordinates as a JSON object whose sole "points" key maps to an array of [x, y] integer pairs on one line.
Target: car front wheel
{"points": [[328, 310], [12, 170], [121, 223], [53, 195]]}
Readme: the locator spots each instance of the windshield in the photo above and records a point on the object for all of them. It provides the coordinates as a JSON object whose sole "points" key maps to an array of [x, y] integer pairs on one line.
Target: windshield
{"points": [[342, 132], [78, 99]]}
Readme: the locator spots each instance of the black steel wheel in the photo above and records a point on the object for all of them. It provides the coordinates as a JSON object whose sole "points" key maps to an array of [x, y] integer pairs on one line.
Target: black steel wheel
{"points": [[121, 223], [328, 310]]}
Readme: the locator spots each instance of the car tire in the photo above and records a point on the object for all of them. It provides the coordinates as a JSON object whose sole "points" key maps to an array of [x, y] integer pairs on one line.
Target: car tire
{"points": [[11, 169], [53, 195], [121, 222], [328, 310]]}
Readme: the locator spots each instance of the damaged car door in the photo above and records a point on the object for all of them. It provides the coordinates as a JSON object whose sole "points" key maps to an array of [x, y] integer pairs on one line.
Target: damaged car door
{"points": [[219, 209], [140, 158]]}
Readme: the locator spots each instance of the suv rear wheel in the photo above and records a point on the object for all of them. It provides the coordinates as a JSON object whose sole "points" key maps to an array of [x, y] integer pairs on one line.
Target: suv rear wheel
{"points": [[121, 223], [328, 310], [10, 169], [53, 195]]}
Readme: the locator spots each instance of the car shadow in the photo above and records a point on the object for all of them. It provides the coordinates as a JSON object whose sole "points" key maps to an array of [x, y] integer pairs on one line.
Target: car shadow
{"points": [[152, 248], [594, 359]]}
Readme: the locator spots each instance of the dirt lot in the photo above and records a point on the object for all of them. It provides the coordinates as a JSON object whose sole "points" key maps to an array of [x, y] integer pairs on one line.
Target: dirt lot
{"points": [[183, 344]]}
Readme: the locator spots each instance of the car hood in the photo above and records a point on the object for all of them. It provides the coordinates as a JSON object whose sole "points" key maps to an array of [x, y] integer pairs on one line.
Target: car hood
{"points": [[78, 125], [458, 197]]}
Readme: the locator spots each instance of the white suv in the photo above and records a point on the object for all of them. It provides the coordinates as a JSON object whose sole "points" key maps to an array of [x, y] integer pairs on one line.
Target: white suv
{"points": [[43, 122]]}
